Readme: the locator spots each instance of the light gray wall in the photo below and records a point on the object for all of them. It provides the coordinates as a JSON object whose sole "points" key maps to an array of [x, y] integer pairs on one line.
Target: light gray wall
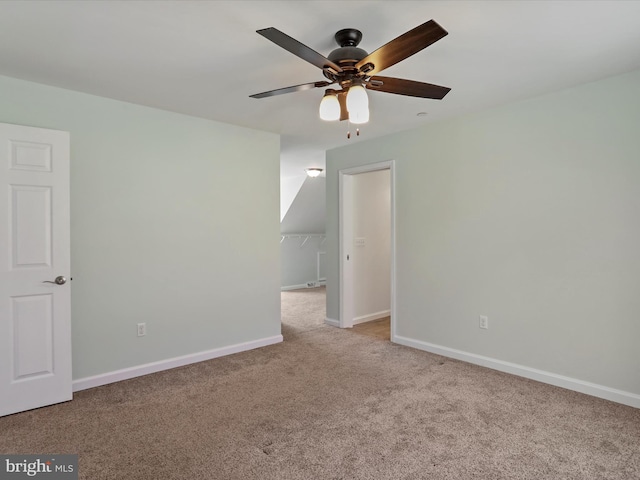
{"points": [[174, 222], [299, 263], [529, 214], [371, 261]]}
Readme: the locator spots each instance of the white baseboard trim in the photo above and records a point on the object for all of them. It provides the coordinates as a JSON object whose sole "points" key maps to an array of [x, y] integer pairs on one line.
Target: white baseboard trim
{"points": [[371, 317], [600, 391], [332, 322], [153, 367], [318, 283], [293, 287]]}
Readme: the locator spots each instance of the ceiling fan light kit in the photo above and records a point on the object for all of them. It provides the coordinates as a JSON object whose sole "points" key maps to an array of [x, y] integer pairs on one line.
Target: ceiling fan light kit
{"points": [[330, 106], [354, 70], [359, 117], [357, 103]]}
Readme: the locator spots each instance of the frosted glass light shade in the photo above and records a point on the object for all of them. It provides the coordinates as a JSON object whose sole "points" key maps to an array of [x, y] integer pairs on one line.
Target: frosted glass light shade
{"points": [[313, 172], [357, 100], [359, 116], [330, 107]]}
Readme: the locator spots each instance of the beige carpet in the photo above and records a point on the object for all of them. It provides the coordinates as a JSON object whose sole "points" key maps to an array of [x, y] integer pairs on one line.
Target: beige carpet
{"points": [[330, 404], [303, 310]]}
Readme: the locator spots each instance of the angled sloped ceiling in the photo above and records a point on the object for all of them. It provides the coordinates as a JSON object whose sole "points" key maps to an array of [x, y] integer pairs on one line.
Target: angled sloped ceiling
{"points": [[307, 212], [289, 188]]}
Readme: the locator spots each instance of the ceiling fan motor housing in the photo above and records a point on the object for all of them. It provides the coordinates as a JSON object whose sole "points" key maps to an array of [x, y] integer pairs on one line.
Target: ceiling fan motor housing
{"points": [[343, 54], [347, 56]]}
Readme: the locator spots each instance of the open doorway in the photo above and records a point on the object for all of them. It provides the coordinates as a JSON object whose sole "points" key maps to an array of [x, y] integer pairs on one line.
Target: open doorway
{"points": [[303, 257], [367, 249]]}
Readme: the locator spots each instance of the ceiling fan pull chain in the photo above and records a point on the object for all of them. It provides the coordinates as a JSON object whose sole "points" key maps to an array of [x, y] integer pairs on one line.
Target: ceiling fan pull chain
{"points": [[357, 132]]}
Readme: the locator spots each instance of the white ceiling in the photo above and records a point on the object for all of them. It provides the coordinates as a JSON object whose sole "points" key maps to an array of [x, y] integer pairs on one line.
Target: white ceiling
{"points": [[203, 58]]}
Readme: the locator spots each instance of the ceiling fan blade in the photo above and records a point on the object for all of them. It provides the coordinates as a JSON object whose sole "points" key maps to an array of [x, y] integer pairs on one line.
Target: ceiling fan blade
{"points": [[402, 47], [299, 49], [295, 88], [410, 88]]}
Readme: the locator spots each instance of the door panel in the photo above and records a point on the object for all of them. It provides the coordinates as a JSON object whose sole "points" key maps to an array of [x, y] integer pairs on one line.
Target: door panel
{"points": [[32, 339], [30, 212], [35, 314]]}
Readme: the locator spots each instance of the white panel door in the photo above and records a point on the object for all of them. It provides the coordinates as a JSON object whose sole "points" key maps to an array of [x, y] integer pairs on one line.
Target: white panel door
{"points": [[35, 311]]}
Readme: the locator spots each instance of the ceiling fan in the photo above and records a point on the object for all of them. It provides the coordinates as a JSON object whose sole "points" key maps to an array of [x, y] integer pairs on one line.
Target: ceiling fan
{"points": [[353, 70]]}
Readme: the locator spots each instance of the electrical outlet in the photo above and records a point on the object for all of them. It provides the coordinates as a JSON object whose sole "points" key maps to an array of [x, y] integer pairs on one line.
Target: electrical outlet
{"points": [[484, 322], [142, 329]]}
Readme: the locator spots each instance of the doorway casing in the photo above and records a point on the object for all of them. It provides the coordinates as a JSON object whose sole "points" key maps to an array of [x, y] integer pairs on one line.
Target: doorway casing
{"points": [[345, 234]]}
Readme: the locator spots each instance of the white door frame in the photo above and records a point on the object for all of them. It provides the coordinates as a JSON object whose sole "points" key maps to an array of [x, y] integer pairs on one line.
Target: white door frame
{"points": [[345, 234]]}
